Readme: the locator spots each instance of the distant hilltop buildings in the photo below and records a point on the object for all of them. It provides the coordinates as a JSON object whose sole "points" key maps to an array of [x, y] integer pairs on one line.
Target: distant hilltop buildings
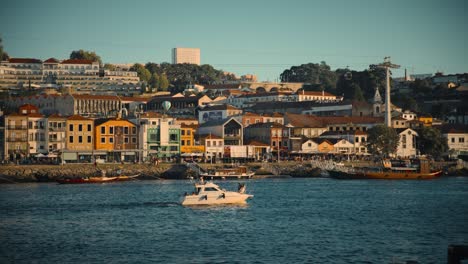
{"points": [[186, 55], [80, 74]]}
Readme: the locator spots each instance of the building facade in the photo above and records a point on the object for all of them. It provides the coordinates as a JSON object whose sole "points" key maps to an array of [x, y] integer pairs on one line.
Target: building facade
{"points": [[186, 55]]}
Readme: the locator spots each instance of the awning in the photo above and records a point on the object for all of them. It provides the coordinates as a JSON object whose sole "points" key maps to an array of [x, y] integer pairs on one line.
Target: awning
{"points": [[191, 154], [40, 155]]}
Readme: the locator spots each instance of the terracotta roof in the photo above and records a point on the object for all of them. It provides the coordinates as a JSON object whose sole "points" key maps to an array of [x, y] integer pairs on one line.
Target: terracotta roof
{"points": [[24, 60], [151, 115], [56, 116], [299, 120], [183, 125], [134, 99], [101, 97], [52, 60], [265, 125], [77, 117], [77, 61], [35, 115]]}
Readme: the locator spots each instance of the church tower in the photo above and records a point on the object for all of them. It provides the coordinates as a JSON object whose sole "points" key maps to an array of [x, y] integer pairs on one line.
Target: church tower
{"points": [[377, 103]]}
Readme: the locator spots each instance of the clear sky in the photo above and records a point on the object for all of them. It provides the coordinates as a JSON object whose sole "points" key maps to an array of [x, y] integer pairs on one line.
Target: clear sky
{"points": [[259, 37]]}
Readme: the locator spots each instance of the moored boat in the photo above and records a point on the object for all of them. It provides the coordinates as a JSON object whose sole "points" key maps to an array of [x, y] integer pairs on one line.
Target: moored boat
{"points": [[208, 193], [86, 180], [418, 169], [228, 173]]}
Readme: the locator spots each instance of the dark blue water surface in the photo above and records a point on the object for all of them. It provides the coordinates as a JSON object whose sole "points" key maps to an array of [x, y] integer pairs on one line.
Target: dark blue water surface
{"points": [[288, 221]]}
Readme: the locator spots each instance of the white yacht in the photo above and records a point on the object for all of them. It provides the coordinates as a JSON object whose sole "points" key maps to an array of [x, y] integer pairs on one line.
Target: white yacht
{"points": [[208, 193]]}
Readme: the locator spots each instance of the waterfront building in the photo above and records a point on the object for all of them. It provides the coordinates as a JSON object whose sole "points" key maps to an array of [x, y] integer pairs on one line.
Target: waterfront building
{"points": [[457, 139], [214, 146], [56, 133], [159, 136], [188, 145], [80, 137], [229, 129], [17, 139], [186, 55], [37, 134], [407, 142], [118, 136], [274, 134], [351, 123]]}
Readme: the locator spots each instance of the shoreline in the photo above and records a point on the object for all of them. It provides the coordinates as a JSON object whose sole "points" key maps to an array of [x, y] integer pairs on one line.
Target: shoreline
{"points": [[10, 174]]}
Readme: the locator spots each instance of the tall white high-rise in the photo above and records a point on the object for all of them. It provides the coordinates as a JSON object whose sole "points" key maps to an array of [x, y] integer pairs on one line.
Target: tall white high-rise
{"points": [[186, 55]]}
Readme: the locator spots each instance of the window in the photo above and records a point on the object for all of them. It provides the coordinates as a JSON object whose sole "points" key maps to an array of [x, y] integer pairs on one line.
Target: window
{"points": [[208, 143], [188, 143], [103, 140], [89, 139], [70, 139], [153, 137], [133, 130], [70, 127], [80, 139], [189, 132], [309, 144], [461, 140], [134, 140], [111, 140], [111, 130], [89, 128], [126, 130], [182, 132], [103, 130], [453, 140], [403, 140], [80, 127], [214, 143], [182, 142], [126, 140], [356, 139], [172, 137]]}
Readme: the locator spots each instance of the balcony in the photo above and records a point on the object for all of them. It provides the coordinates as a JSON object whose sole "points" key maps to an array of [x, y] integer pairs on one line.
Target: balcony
{"points": [[15, 139], [17, 127]]}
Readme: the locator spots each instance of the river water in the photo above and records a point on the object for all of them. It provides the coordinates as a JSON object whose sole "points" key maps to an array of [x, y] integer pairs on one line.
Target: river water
{"points": [[288, 221]]}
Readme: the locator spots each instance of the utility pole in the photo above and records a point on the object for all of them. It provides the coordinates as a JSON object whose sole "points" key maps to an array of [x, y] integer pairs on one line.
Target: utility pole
{"points": [[387, 64]]}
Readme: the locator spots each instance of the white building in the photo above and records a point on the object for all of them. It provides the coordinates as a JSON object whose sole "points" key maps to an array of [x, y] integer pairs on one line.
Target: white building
{"points": [[186, 55], [407, 143], [457, 139]]}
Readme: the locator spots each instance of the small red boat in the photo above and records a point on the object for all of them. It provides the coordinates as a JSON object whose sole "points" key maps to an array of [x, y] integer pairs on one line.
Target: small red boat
{"points": [[86, 180]]}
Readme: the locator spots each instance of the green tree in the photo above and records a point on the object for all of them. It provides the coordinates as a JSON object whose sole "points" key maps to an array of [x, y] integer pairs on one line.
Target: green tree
{"points": [[163, 83], [110, 67], [154, 81], [85, 55], [358, 95], [142, 72], [431, 142], [3, 54], [319, 76], [382, 140]]}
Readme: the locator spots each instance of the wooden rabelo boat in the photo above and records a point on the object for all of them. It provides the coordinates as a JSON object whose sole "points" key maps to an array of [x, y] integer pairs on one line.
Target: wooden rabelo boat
{"points": [[417, 169]]}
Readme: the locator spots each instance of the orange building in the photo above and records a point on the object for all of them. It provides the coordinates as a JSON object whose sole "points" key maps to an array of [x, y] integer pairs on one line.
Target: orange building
{"points": [[187, 139], [115, 134], [325, 146]]}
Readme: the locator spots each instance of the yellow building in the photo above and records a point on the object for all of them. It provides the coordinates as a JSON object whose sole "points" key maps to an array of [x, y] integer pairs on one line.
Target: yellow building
{"points": [[187, 140], [115, 134], [79, 133], [325, 146], [426, 120]]}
